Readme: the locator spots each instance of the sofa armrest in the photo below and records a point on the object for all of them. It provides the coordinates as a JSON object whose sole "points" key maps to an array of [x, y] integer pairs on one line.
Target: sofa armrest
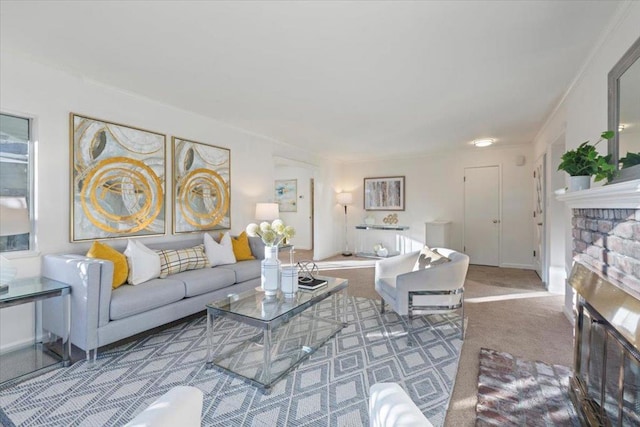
{"points": [[90, 280], [180, 406]]}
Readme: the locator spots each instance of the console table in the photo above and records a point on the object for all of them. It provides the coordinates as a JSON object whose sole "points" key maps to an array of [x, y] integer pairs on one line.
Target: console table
{"points": [[38, 356], [365, 241]]}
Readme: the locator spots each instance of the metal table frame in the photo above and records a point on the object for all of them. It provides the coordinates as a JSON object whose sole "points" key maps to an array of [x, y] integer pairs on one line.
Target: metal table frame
{"points": [[268, 324], [36, 289]]}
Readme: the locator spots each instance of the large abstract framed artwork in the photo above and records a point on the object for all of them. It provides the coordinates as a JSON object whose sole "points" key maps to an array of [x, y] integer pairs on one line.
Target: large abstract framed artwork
{"points": [[384, 194], [201, 187], [287, 194], [117, 180]]}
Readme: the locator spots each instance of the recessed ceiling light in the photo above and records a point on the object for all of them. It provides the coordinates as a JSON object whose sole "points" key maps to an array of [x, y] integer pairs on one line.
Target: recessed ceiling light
{"points": [[483, 142]]}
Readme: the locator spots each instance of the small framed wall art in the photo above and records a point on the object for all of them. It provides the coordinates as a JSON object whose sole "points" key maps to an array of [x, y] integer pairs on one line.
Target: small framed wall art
{"points": [[384, 193], [201, 186], [287, 195], [117, 180]]}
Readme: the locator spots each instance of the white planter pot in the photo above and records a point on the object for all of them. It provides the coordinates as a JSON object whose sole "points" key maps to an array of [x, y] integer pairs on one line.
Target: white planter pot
{"points": [[577, 183]]}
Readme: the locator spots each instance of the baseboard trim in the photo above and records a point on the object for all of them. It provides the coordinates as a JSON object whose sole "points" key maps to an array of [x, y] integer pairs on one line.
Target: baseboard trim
{"points": [[569, 315], [521, 266]]}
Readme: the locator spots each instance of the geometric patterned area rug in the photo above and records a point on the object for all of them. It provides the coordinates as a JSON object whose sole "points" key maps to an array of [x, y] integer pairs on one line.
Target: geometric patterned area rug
{"points": [[517, 392], [330, 388]]}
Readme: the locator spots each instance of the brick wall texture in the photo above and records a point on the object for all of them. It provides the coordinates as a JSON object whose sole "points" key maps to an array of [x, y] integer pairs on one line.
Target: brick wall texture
{"points": [[609, 241]]}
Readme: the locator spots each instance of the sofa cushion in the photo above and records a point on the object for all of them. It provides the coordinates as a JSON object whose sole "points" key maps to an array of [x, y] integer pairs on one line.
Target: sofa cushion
{"points": [[198, 282], [128, 300], [120, 266], [173, 261], [245, 270]]}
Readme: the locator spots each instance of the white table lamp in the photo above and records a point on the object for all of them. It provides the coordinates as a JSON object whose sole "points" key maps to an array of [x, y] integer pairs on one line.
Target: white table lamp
{"points": [[267, 211]]}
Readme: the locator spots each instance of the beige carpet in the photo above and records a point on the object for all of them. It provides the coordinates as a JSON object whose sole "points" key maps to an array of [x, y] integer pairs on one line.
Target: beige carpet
{"points": [[521, 319]]}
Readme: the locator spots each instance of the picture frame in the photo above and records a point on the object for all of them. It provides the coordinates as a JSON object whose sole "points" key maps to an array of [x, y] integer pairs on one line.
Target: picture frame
{"points": [[286, 194], [384, 193], [117, 180], [201, 186]]}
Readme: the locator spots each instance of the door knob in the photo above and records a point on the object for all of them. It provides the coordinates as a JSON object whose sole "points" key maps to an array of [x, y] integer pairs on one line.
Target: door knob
{"points": [[540, 223], [496, 221]]}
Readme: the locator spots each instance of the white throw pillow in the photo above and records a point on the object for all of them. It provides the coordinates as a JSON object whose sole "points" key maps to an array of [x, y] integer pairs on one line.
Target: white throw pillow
{"points": [[219, 253], [144, 263]]}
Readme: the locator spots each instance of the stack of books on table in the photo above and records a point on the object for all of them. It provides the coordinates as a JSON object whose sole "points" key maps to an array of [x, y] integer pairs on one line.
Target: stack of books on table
{"points": [[311, 285]]}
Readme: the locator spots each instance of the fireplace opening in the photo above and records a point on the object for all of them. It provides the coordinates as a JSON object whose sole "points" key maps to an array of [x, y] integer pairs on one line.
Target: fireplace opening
{"points": [[605, 387]]}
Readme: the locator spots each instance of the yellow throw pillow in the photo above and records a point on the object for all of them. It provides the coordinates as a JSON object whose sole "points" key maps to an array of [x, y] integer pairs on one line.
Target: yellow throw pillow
{"points": [[241, 248], [120, 266]]}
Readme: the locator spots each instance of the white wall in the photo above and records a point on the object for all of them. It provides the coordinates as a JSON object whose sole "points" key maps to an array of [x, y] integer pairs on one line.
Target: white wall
{"points": [[435, 190], [49, 95], [582, 115]]}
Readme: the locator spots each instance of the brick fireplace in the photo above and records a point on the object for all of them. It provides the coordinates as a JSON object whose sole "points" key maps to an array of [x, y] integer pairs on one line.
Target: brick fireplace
{"points": [[605, 387]]}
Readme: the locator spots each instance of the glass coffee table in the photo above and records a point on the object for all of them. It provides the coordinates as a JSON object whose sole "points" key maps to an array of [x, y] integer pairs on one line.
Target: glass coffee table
{"points": [[289, 330]]}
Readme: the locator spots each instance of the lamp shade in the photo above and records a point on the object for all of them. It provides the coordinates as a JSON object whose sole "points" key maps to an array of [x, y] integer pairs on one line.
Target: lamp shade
{"points": [[344, 198], [267, 211], [14, 216]]}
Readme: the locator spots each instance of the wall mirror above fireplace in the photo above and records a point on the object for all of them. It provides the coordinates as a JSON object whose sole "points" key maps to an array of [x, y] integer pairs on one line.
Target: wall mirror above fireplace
{"points": [[624, 114]]}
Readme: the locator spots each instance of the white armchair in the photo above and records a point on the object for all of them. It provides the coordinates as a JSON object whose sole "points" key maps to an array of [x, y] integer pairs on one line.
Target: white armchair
{"points": [[439, 289]]}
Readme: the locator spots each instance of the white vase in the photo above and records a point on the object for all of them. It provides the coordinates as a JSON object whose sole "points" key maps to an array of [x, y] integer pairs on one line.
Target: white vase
{"points": [[577, 183], [270, 271]]}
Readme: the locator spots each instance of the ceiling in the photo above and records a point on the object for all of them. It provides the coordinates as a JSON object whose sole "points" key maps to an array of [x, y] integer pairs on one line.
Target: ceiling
{"points": [[346, 80]]}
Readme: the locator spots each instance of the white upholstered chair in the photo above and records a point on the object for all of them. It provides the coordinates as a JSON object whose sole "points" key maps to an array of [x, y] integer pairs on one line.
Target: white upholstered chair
{"points": [[180, 406], [391, 406], [439, 289]]}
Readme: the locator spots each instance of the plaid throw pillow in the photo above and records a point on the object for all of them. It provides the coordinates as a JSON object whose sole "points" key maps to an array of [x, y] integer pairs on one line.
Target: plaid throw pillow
{"points": [[176, 261]]}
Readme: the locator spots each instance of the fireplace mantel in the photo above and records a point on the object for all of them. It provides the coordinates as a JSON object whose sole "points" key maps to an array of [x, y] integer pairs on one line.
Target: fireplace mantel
{"points": [[624, 195]]}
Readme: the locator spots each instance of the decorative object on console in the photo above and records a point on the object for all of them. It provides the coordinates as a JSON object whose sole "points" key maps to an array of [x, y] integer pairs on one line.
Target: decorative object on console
{"points": [[384, 194], [117, 180], [201, 186], [380, 250], [391, 219], [584, 162], [286, 192], [272, 235], [345, 199]]}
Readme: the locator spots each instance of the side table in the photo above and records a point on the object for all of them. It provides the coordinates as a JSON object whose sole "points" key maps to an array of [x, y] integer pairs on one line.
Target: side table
{"points": [[21, 362]]}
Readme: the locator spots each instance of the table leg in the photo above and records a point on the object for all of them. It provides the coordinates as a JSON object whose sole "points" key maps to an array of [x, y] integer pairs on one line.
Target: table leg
{"points": [[345, 298], [267, 355], [210, 319], [66, 321]]}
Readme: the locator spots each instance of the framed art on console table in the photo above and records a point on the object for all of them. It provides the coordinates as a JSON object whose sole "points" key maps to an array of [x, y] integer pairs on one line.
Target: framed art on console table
{"points": [[384, 193], [117, 180], [201, 187]]}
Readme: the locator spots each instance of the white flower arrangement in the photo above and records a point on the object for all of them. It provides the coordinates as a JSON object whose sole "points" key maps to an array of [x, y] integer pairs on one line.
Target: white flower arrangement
{"points": [[271, 234]]}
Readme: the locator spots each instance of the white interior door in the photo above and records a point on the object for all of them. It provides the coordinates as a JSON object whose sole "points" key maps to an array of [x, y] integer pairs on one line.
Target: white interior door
{"points": [[538, 215], [482, 215]]}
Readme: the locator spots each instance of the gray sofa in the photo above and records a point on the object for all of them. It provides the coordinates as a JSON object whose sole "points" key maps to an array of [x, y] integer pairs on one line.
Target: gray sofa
{"points": [[101, 315]]}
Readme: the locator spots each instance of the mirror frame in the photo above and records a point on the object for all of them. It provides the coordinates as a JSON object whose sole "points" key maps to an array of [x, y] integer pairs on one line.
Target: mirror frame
{"points": [[629, 58]]}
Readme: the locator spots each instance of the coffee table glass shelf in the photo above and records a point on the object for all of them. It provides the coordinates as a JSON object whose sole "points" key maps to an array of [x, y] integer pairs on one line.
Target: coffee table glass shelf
{"points": [[287, 330]]}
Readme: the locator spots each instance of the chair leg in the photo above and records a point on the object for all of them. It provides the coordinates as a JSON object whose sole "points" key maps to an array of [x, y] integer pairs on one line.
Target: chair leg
{"points": [[381, 305], [462, 320], [410, 321]]}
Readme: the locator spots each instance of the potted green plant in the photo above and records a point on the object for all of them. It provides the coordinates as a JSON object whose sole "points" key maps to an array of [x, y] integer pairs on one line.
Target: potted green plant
{"points": [[584, 162]]}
